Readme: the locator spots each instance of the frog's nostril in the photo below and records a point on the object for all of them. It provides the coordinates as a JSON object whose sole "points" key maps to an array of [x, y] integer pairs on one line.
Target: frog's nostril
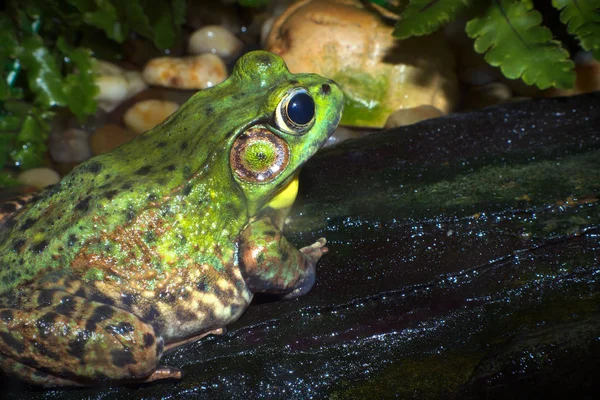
{"points": [[325, 89]]}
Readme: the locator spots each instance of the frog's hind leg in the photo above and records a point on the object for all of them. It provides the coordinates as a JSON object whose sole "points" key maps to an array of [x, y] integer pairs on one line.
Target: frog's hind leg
{"points": [[75, 340], [32, 375]]}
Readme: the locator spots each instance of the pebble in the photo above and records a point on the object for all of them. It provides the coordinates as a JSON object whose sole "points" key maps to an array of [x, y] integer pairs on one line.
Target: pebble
{"points": [[194, 72], [72, 146], [116, 85], [109, 137], [215, 39], [39, 177], [409, 116], [145, 115], [343, 133]]}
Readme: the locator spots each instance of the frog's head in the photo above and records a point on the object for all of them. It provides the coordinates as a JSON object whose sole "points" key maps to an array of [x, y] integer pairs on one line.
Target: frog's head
{"points": [[296, 115]]}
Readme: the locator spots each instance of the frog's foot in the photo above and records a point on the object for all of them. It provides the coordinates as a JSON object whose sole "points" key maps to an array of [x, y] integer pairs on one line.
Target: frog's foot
{"points": [[311, 255], [173, 345], [164, 372], [315, 250]]}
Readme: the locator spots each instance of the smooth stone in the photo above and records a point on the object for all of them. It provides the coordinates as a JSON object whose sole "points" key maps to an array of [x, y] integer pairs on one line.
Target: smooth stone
{"points": [[145, 115], [116, 85], [39, 177], [109, 137], [215, 39], [193, 72], [70, 146], [413, 115]]}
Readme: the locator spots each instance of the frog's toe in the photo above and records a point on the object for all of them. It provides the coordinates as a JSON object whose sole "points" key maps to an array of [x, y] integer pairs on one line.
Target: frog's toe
{"points": [[219, 331], [164, 372], [315, 250]]}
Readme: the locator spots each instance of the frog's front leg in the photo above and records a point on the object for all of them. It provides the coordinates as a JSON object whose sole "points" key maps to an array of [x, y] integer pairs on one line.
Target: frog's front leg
{"points": [[270, 264], [68, 340]]}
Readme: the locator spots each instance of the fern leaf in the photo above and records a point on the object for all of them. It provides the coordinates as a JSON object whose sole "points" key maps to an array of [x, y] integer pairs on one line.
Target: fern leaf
{"points": [[422, 17], [511, 33], [583, 21]]}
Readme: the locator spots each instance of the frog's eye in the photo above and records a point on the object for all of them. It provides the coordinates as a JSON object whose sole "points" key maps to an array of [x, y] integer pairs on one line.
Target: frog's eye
{"points": [[295, 114], [258, 155]]}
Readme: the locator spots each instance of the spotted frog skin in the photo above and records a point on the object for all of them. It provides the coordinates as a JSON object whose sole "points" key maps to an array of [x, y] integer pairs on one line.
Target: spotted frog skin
{"points": [[167, 238]]}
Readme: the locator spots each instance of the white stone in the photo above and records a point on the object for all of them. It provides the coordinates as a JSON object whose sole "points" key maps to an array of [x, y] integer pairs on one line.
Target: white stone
{"points": [[194, 72], [39, 177], [215, 39], [70, 146], [145, 115], [116, 85]]}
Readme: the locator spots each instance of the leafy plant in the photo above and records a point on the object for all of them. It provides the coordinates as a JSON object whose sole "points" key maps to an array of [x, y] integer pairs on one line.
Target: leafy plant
{"points": [[47, 50], [510, 33]]}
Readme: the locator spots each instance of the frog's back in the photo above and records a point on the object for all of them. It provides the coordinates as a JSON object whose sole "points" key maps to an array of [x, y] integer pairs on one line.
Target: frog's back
{"points": [[106, 193]]}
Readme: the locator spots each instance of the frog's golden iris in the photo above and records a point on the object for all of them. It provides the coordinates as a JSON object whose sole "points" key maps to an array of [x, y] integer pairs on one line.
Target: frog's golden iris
{"points": [[167, 238]]}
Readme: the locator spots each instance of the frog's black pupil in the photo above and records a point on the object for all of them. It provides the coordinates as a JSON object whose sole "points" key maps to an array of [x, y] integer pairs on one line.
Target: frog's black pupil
{"points": [[301, 109]]}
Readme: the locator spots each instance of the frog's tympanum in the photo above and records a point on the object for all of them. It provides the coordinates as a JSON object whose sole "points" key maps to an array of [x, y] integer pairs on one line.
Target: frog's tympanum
{"points": [[167, 238]]}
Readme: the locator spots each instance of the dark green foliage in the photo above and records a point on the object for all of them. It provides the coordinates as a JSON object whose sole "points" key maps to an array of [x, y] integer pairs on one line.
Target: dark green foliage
{"points": [[511, 35], [422, 17], [583, 20], [46, 49], [510, 32]]}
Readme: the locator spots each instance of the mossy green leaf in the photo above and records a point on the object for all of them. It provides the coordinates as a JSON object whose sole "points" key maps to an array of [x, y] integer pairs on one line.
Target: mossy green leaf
{"points": [[6, 180], [102, 14], [133, 13], [8, 38], [179, 9], [512, 36], [422, 17], [161, 17], [43, 74], [79, 86], [159, 22], [30, 149], [583, 21], [4, 88]]}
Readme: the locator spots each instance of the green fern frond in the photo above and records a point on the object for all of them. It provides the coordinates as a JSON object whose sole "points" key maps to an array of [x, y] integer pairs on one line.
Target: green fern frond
{"points": [[583, 21], [422, 17], [511, 33]]}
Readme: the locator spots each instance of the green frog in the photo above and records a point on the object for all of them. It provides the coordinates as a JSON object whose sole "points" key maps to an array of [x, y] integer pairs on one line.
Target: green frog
{"points": [[165, 239]]}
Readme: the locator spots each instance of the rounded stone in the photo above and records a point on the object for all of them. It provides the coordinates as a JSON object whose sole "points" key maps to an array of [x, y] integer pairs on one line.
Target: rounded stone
{"points": [[39, 177], [116, 85], [409, 116], [109, 137], [194, 72], [145, 115], [215, 39]]}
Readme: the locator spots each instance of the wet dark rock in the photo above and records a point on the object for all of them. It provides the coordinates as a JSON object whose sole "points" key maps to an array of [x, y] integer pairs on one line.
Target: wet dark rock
{"points": [[464, 262]]}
